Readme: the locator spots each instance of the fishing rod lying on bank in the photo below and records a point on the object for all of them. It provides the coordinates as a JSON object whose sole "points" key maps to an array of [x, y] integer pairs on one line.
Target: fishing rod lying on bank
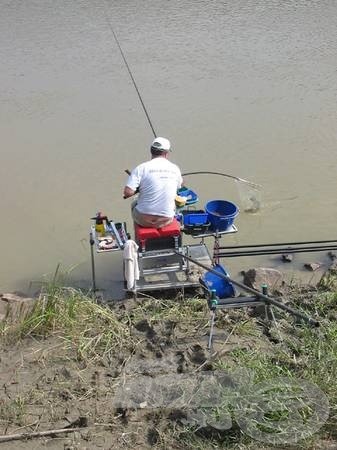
{"points": [[265, 298], [275, 249]]}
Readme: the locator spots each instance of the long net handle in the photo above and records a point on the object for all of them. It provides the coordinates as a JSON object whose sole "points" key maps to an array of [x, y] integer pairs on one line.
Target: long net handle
{"points": [[256, 186]]}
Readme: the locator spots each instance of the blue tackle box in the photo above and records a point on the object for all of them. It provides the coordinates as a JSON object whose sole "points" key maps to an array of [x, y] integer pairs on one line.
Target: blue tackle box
{"points": [[195, 222]]}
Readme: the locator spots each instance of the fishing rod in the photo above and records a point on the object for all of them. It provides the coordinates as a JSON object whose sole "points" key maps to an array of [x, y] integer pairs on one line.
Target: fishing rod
{"points": [[274, 251], [130, 73], [271, 249], [331, 241]]}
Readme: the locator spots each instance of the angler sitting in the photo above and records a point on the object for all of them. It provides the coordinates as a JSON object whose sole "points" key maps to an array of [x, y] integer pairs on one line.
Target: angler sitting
{"points": [[156, 181]]}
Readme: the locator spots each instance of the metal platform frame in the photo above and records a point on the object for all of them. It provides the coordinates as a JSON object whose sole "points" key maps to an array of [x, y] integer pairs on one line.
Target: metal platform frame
{"points": [[177, 273], [165, 268], [171, 271]]}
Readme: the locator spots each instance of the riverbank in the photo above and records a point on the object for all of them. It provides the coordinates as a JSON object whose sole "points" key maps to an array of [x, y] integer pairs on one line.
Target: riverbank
{"points": [[138, 374]]}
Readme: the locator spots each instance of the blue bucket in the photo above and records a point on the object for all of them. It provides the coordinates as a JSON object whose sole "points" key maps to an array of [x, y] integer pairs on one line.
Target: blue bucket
{"points": [[221, 214], [222, 287]]}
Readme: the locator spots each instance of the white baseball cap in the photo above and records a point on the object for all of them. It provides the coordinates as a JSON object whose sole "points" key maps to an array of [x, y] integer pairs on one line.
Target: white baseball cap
{"points": [[161, 144]]}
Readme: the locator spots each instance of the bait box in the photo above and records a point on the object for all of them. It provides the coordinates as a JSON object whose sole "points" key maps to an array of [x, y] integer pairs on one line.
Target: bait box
{"points": [[189, 194], [106, 243], [195, 222]]}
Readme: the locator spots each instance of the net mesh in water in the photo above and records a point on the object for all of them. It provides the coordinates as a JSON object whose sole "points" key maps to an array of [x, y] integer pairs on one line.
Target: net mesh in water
{"points": [[250, 195]]}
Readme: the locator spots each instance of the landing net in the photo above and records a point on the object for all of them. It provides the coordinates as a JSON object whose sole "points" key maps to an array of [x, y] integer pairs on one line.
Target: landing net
{"points": [[250, 195]]}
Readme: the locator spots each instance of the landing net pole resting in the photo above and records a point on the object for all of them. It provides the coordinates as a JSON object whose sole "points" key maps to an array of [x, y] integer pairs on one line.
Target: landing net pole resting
{"points": [[260, 295], [256, 186], [130, 73]]}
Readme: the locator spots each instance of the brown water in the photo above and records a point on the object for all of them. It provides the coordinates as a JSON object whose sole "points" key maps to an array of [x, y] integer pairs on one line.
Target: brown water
{"points": [[245, 87]]}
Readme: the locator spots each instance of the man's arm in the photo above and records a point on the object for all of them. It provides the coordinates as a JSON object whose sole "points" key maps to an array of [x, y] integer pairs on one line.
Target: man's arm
{"points": [[128, 192], [132, 185]]}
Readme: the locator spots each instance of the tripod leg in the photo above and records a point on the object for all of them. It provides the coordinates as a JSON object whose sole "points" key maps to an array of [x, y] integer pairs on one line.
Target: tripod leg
{"points": [[92, 242], [268, 313], [275, 322], [211, 331]]}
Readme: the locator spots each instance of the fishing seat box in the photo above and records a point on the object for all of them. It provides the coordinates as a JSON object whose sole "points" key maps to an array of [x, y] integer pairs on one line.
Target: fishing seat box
{"points": [[158, 238]]}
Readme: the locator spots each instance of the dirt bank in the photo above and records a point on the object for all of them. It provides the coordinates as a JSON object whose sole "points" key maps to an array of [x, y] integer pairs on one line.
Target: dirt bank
{"points": [[124, 379]]}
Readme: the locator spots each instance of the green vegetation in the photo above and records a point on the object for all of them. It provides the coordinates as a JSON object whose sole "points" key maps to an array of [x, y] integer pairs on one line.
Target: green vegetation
{"points": [[255, 351], [88, 328]]}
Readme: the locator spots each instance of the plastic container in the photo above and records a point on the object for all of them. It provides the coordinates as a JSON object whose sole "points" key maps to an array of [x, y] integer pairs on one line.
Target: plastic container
{"points": [[221, 214], [221, 286], [180, 201], [99, 224], [191, 196], [195, 222]]}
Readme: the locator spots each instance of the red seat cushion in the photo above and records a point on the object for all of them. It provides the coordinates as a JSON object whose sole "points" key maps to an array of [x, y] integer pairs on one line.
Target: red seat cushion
{"points": [[143, 233], [173, 229]]}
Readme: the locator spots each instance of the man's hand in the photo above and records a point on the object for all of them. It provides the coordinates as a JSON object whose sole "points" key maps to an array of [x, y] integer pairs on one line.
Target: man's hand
{"points": [[128, 192]]}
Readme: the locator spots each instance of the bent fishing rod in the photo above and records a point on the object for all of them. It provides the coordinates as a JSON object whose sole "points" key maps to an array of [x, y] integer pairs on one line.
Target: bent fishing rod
{"points": [[148, 116]]}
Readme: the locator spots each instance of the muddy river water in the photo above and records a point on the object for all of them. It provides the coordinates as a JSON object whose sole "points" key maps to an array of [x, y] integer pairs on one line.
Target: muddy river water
{"points": [[246, 87]]}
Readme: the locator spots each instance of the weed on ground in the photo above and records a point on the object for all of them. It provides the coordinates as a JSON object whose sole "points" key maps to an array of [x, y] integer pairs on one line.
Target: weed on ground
{"points": [[138, 373]]}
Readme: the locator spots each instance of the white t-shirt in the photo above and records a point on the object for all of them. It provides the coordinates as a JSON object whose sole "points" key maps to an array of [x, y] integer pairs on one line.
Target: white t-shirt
{"points": [[158, 181]]}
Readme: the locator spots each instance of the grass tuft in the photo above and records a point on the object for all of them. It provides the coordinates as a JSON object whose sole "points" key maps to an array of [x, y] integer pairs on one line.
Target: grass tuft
{"points": [[92, 330]]}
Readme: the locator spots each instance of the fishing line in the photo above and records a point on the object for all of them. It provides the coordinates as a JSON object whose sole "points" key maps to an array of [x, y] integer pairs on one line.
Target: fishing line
{"points": [[129, 70]]}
